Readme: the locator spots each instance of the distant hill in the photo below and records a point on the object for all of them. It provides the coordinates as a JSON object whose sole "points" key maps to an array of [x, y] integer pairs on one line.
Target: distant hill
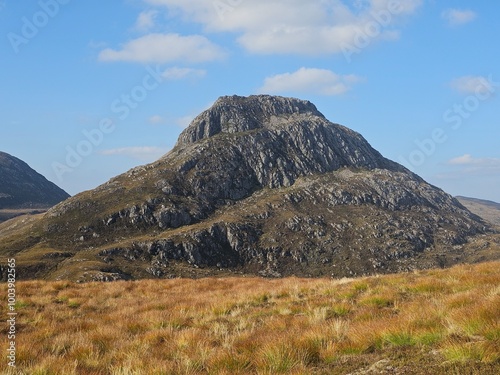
{"points": [[488, 210], [22, 189]]}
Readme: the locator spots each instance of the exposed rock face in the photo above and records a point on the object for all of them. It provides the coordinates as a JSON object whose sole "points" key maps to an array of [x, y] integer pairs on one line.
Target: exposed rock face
{"points": [[22, 187], [234, 114], [262, 185], [284, 139]]}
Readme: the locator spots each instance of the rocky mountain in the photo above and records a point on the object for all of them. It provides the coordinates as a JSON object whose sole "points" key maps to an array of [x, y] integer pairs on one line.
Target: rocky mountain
{"points": [[255, 185], [22, 189], [488, 210]]}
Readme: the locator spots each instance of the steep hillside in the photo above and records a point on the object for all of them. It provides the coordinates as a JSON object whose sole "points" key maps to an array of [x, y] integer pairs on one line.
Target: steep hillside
{"points": [[23, 190], [260, 185], [23, 187], [488, 210]]}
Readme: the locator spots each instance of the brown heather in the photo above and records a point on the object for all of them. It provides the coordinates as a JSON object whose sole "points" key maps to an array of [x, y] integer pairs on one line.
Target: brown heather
{"points": [[427, 322]]}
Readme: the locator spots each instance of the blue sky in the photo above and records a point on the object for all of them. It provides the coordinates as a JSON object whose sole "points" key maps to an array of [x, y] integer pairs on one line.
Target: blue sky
{"points": [[91, 89]]}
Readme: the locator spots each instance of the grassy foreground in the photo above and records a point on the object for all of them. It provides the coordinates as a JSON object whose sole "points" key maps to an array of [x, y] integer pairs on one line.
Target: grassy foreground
{"points": [[429, 322]]}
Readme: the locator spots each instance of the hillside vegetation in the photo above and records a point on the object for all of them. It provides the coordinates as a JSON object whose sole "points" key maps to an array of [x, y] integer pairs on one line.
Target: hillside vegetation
{"points": [[424, 322], [488, 210]]}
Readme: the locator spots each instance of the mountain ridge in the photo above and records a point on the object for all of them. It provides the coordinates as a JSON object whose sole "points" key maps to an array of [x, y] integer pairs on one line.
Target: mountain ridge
{"points": [[488, 210], [23, 190], [252, 112], [256, 185]]}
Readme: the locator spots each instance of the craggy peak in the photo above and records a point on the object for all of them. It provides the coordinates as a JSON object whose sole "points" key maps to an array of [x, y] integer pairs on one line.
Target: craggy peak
{"points": [[233, 114], [258, 185]]}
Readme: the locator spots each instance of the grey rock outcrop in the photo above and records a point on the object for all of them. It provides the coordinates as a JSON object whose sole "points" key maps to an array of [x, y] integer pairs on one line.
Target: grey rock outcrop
{"points": [[264, 185]]}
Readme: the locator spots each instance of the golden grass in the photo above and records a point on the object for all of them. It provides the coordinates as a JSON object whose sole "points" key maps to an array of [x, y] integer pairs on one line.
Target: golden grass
{"points": [[432, 322]]}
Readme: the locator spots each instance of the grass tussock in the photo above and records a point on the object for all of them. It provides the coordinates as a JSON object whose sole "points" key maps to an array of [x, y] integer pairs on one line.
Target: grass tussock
{"points": [[432, 322]]}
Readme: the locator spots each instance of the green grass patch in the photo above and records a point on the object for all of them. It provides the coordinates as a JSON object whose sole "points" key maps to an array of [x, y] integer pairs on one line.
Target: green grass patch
{"points": [[378, 301], [20, 304], [280, 359], [429, 338], [398, 339], [340, 310], [464, 352], [74, 304]]}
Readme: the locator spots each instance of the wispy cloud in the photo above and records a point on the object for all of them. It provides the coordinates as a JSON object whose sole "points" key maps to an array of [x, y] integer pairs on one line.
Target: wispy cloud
{"points": [[461, 160], [472, 84], [312, 27], [458, 17], [146, 20], [144, 153], [96, 44], [163, 48], [175, 73], [156, 119], [469, 160], [310, 80]]}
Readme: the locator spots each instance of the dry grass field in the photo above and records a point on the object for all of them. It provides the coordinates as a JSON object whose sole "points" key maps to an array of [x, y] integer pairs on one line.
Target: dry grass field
{"points": [[427, 322]]}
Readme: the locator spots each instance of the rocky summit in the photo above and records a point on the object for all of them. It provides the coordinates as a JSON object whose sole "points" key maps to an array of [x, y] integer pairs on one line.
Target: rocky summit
{"points": [[259, 185]]}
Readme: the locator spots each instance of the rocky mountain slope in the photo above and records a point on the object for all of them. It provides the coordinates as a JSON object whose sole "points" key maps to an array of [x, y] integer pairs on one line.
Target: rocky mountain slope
{"points": [[259, 185], [22, 189], [488, 210]]}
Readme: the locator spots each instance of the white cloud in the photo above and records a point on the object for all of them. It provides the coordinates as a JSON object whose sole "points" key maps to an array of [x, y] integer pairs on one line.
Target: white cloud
{"points": [[468, 159], [179, 73], [146, 153], [461, 160], [146, 20], [472, 165], [309, 80], [156, 119], [472, 84], [458, 17], [310, 27], [162, 48]]}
